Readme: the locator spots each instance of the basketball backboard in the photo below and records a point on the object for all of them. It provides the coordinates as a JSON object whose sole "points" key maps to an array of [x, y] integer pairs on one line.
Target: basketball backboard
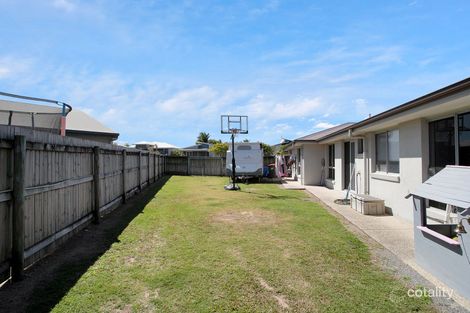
{"points": [[234, 124]]}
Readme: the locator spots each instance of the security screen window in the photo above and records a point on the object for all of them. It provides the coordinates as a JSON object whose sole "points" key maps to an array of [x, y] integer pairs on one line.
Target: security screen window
{"points": [[387, 152], [331, 161]]}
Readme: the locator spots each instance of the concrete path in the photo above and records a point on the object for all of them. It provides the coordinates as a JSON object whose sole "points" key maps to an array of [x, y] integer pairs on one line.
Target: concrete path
{"points": [[392, 232]]}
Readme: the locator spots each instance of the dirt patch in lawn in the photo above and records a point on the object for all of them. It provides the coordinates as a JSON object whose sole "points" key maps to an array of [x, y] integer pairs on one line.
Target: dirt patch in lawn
{"points": [[245, 217]]}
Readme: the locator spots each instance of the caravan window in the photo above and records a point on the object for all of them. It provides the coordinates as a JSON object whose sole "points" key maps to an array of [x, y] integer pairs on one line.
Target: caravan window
{"points": [[331, 161], [244, 148], [387, 152]]}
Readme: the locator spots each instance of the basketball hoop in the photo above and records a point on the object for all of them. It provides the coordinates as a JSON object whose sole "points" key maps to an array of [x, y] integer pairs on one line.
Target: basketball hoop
{"points": [[235, 132], [234, 125]]}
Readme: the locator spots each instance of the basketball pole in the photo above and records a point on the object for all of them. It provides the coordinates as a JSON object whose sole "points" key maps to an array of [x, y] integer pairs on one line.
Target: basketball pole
{"points": [[234, 124], [233, 186]]}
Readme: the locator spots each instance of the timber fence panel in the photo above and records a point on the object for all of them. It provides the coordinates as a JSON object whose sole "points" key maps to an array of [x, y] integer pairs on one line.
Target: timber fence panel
{"points": [[176, 165], [6, 160], [58, 193], [202, 166]]}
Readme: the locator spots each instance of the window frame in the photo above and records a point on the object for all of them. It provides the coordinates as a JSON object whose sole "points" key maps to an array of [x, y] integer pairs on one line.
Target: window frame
{"points": [[387, 149]]}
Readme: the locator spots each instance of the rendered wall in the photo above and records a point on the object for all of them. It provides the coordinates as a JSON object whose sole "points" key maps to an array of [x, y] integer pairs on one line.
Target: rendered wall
{"points": [[312, 168], [412, 138]]}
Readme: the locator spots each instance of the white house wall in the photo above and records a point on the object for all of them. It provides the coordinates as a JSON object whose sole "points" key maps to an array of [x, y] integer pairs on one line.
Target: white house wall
{"points": [[312, 168], [394, 187]]}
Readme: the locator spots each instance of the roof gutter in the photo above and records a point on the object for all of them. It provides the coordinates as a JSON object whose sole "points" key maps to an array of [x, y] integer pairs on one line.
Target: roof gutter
{"points": [[433, 96]]}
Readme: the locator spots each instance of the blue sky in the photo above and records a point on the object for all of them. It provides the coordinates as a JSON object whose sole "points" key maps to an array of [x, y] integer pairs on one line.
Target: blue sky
{"points": [[166, 70]]}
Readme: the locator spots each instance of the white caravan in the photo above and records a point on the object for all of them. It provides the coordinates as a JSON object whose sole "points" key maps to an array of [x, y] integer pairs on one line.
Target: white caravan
{"points": [[248, 160]]}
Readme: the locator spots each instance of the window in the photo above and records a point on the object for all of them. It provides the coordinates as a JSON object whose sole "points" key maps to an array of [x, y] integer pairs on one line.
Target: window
{"points": [[464, 139], [331, 161], [449, 142], [441, 144], [360, 146], [387, 152], [244, 148]]}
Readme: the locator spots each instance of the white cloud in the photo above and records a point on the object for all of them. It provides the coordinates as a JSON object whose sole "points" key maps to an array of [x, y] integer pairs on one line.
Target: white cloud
{"points": [[323, 125], [65, 5], [14, 67], [282, 128], [197, 98], [361, 107], [262, 106], [4, 71], [270, 6], [387, 55]]}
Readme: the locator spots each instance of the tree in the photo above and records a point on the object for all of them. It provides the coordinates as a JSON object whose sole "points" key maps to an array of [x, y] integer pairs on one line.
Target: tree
{"points": [[219, 149], [203, 137], [214, 141], [267, 149], [282, 150], [246, 140], [176, 152]]}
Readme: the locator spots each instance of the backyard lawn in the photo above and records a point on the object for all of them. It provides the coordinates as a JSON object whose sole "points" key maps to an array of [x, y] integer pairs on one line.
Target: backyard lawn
{"points": [[198, 248]]}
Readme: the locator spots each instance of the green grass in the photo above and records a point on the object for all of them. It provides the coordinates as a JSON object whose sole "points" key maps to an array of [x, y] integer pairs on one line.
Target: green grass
{"points": [[198, 248]]}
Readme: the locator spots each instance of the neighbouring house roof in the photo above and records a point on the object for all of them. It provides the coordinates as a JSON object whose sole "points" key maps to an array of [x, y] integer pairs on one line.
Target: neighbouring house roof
{"points": [[449, 186], [323, 133], [79, 121], [198, 147], [160, 144]]}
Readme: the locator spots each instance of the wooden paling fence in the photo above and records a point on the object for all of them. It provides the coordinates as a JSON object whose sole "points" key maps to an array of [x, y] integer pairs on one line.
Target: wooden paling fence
{"points": [[205, 166], [52, 186]]}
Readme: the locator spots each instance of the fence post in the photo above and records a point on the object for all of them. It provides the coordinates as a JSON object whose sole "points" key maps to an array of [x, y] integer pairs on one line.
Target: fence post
{"points": [[148, 169], [124, 187], [17, 260], [155, 167], [187, 167], [140, 170], [96, 184]]}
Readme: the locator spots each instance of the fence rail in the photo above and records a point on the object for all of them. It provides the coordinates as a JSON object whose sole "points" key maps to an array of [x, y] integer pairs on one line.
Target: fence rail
{"points": [[51, 186]]}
